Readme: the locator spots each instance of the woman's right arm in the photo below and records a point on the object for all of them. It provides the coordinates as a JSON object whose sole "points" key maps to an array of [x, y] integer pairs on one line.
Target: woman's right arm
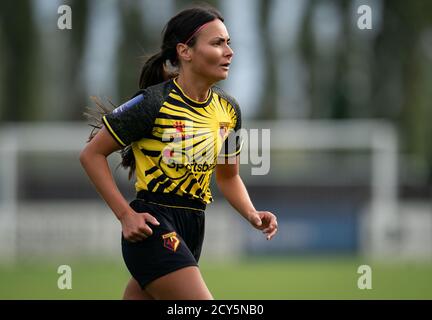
{"points": [[93, 158]]}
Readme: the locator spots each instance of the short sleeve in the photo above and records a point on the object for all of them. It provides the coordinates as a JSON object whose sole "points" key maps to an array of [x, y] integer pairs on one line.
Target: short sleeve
{"points": [[233, 143], [132, 120]]}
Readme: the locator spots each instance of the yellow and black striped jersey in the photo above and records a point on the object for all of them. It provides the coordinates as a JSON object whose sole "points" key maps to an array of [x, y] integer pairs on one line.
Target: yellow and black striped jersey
{"points": [[176, 140]]}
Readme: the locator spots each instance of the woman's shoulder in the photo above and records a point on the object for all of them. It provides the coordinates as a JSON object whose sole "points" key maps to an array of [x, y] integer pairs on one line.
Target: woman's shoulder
{"points": [[226, 96], [155, 93]]}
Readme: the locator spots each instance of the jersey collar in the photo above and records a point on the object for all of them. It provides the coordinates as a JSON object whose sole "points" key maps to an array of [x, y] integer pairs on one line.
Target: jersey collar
{"points": [[190, 101]]}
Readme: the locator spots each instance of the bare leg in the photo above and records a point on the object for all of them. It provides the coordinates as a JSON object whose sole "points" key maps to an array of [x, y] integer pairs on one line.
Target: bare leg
{"points": [[133, 291], [183, 284]]}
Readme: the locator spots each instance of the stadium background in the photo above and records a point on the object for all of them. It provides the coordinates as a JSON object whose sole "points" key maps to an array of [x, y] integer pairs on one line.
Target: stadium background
{"points": [[351, 159]]}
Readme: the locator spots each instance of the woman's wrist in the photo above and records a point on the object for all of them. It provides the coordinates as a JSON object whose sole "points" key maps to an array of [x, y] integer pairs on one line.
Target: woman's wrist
{"points": [[249, 214], [121, 214]]}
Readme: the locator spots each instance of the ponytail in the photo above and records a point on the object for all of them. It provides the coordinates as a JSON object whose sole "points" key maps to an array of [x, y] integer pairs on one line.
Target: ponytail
{"points": [[153, 71]]}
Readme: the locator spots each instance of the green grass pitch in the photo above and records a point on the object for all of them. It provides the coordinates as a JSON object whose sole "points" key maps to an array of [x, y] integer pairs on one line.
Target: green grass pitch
{"points": [[270, 278]]}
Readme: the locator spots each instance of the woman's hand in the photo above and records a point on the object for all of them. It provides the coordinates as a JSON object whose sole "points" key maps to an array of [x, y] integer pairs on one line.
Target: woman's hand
{"points": [[265, 221], [135, 225]]}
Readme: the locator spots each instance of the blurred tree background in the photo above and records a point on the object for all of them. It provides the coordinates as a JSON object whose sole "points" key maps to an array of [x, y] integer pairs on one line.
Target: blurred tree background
{"points": [[345, 72]]}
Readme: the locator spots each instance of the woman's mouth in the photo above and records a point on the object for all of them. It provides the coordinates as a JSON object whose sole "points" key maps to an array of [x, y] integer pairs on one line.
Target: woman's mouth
{"points": [[225, 66]]}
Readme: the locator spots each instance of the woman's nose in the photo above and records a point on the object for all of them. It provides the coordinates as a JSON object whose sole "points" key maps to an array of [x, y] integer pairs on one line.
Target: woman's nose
{"points": [[229, 52]]}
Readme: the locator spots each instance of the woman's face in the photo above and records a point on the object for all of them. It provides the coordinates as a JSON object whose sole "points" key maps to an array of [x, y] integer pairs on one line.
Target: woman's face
{"points": [[211, 55]]}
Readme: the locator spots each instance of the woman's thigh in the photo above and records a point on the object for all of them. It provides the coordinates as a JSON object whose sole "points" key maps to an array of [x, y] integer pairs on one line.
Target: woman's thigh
{"points": [[133, 291], [183, 284]]}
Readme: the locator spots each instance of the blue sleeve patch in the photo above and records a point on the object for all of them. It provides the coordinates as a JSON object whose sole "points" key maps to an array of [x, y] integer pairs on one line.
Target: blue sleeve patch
{"points": [[129, 104]]}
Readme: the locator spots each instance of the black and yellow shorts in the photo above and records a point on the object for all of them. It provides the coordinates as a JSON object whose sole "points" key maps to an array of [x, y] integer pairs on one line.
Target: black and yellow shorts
{"points": [[176, 243]]}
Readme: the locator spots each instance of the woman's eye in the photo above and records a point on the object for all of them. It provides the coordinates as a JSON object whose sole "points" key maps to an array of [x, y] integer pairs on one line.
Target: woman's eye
{"points": [[221, 42]]}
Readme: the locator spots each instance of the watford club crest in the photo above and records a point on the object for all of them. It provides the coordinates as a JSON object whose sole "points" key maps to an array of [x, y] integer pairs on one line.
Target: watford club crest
{"points": [[171, 241], [223, 128]]}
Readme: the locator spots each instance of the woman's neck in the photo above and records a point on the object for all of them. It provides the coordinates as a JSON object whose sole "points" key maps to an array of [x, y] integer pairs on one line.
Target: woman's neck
{"points": [[195, 88]]}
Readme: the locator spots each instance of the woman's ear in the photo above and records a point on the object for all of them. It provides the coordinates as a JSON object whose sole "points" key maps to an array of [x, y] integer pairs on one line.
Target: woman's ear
{"points": [[183, 52]]}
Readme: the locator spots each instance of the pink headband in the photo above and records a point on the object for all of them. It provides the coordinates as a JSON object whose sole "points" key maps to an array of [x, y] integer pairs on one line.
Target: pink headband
{"points": [[196, 31]]}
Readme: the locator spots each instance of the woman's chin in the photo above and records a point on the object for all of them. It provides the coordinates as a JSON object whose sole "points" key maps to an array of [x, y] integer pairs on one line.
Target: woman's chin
{"points": [[215, 77], [223, 75]]}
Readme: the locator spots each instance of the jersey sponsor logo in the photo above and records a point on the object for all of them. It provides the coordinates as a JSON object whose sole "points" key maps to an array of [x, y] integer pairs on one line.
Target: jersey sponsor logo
{"points": [[191, 150], [192, 167], [170, 158], [171, 241], [175, 164], [129, 104]]}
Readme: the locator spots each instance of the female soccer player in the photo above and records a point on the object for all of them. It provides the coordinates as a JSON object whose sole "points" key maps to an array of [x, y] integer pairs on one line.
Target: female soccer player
{"points": [[173, 134]]}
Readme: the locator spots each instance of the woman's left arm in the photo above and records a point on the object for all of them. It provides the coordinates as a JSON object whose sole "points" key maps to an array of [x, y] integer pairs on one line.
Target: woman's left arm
{"points": [[234, 190]]}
